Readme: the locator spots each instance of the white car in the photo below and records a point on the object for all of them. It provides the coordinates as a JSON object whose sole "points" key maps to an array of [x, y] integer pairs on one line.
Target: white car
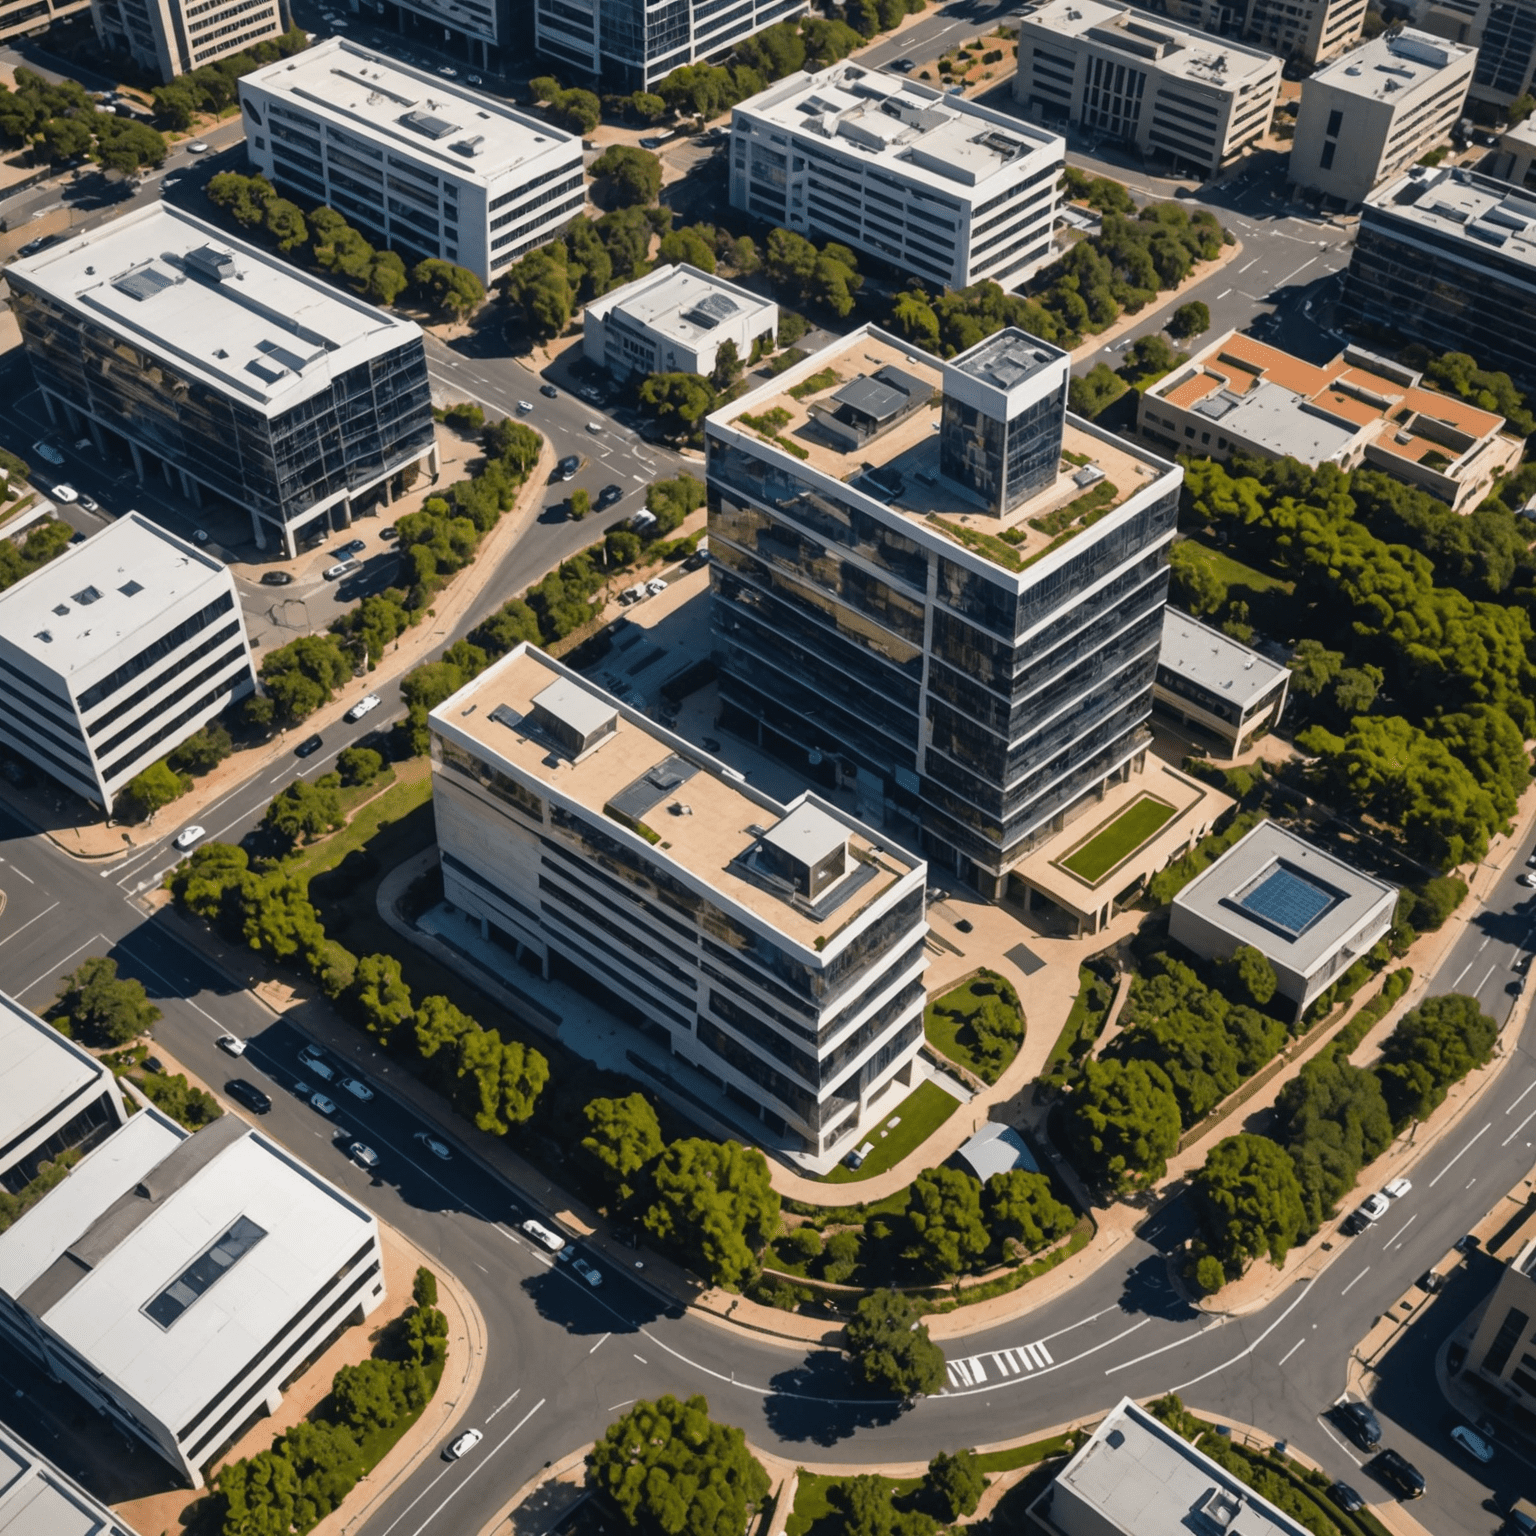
{"points": [[359, 1153], [231, 1045], [65, 492], [363, 707], [1472, 1443], [1525, 879], [594, 427], [524, 406], [433, 1145], [324, 1105], [197, 147], [356, 1089], [587, 1272], [463, 1445], [184, 840], [541, 1234], [47, 452], [1374, 1208], [656, 586], [1396, 1189], [342, 568]]}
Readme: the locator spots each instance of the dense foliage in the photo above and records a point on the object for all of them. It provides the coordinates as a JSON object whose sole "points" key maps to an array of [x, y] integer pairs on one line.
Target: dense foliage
{"points": [[99, 1007], [60, 119], [44, 541], [890, 1347], [1122, 1122]]}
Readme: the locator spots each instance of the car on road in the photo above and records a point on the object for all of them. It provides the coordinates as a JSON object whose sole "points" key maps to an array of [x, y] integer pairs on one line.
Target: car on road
{"points": [[248, 1094], [170, 181], [699, 558], [542, 1235], [231, 1045], [1531, 862], [463, 1445], [185, 839], [309, 746], [1472, 1443], [447, 71], [587, 1272], [45, 451], [276, 579], [357, 1088], [654, 140], [64, 491], [437, 1148], [903, 66], [89, 503], [1395, 1189], [197, 147], [1374, 1207], [389, 534], [1346, 1498], [363, 706], [1399, 1474], [547, 390], [524, 406], [352, 546], [324, 1105], [608, 495], [474, 80], [360, 1152], [1360, 1424], [567, 467], [1526, 879], [342, 568], [594, 427]]}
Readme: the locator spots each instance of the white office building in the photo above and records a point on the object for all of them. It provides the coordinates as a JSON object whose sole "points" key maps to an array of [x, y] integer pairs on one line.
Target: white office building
{"points": [[37, 1499], [18, 18], [1309, 32], [166, 38], [233, 372], [114, 653], [176, 1281], [1375, 110], [777, 949], [57, 1095], [630, 45], [674, 320], [933, 185], [1502, 31], [419, 163], [1181, 97]]}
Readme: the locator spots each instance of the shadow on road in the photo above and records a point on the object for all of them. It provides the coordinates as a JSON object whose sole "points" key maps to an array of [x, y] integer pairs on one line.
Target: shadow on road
{"points": [[820, 1402], [1148, 1292]]}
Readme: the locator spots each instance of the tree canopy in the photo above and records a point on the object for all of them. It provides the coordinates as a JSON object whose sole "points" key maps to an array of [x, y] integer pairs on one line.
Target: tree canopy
{"points": [[890, 1346], [100, 1007], [1248, 1201], [715, 1203]]}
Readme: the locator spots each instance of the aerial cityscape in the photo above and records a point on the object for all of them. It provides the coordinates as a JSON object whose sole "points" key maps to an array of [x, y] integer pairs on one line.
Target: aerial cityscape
{"points": [[766, 769]]}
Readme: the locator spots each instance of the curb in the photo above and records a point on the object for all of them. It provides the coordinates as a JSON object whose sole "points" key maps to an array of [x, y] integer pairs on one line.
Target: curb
{"points": [[549, 1473]]}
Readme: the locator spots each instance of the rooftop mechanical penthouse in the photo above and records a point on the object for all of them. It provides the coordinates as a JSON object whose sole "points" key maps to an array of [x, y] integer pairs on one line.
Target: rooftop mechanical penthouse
{"points": [[932, 583], [777, 949]]}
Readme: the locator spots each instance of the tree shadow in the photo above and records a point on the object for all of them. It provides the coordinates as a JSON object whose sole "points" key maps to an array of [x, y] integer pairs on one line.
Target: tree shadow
{"points": [[821, 1401], [1148, 1291], [562, 1297]]}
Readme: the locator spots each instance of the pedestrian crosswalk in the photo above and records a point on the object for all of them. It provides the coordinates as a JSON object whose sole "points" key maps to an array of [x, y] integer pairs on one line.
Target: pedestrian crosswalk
{"points": [[1025, 1360]]}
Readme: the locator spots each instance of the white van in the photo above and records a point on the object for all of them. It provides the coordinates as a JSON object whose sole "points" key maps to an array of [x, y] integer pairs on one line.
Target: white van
{"points": [[542, 1235]]}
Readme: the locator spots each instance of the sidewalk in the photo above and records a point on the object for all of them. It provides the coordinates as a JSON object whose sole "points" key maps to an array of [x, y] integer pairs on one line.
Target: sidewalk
{"points": [[106, 839]]}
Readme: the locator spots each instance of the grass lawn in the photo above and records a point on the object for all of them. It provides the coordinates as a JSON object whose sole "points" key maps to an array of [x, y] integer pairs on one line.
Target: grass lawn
{"points": [[813, 1514], [922, 1112], [412, 788], [946, 1017], [1118, 839], [1234, 573], [1084, 1021], [1025, 1455]]}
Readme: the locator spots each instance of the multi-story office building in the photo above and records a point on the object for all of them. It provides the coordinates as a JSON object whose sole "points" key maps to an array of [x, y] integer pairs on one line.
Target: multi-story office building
{"points": [[630, 45], [1448, 258], [777, 949], [1375, 110], [1502, 31], [1310, 32], [37, 1499], [19, 17], [1175, 95], [1503, 1348], [931, 184], [177, 1282], [238, 374], [1516, 159], [114, 653], [57, 1095], [1207, 680], [674, 320], [945, 588], [166, 38], [1240, 395], [419, 163]]}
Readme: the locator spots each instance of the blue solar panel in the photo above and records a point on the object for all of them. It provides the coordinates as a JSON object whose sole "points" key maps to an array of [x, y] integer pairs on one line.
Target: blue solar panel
{"points": [[1288, 901]]}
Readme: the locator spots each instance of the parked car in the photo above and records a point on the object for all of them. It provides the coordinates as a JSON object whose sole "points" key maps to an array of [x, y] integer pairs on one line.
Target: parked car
{"points": [[1399, 1474], [186, 838], [324, 1105], [1346, 1498], [447, 71], [363, 706], [608, 495], [64, 492], [357, 1088], [656, 586], [549, 391], [903, 66], [473, 80], [342, 568], [45, 451], [389, 534], [1472, 1443], [1431, 1282], [1468, 1244], [1521, 1519], [543, 1236], [1396, 1188], [88, 503], [1360, 1424], [463, 1445], [231, 1045], [433, 1145], [700, 557], [276, 579], [33, 247], [309, 746], [587, 1272], [359, 1152], [1374, 1207], [248, 1094], [352, 546]]}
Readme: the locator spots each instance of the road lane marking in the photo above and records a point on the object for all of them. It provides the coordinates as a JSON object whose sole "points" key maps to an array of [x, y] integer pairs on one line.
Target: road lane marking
{"points": [[1396, 1235], [1513, 1107], [499, 1406], [1243, 1354], [11, 935], [479, 1465], [1353, 1283], [642, 1360], [1456, 1159], [973, 1366], [1291, 1351], [59, 963], [1020, 1360], [16, 870], [599, 1343], [625, 1404], [1341, 1445], [1518, 1128], [1126, 1364]]}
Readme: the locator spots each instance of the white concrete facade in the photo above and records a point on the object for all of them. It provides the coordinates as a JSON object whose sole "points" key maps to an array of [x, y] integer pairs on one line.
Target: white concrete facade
{"points": [[166, 38], [1374, 110], [176, 1281], [37, 1499], [674, 320], [114, 653], [934, 185], [1169, 92], [432, 167], [1310, 32]]}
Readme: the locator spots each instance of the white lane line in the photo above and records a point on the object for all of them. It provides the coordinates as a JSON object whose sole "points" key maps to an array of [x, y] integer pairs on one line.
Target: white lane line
{"points": [[1456, 1159], [1392, 1241], [1291, 1351], [1353, 1283], [642, 1360], [1484, 982], [625, 1404], [1518, 1129], [1245, 266], [44, 913], [1341, 1445], [1126, 1364], [18, 871], [499, 1406], [1243, 1354], [1513, 1107], [172, 985], [1055, 1365], [59, 964], [1224, 292], [478, 1467], [599, 1343], [1462, 972]]}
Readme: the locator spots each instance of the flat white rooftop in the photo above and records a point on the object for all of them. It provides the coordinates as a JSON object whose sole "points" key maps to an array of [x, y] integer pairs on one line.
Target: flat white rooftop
{"points": [[1392, 67], [214, 308], [1156, 41], [109, 1260], [471, 136], [1484, 216], [40, 1070], [1214, 661], [681, 303], [90, 601], [916, 132], [36, 1499]]}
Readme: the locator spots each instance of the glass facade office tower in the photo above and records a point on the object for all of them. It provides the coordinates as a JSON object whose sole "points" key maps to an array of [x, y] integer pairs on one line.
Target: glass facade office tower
{"points": [[236, 373], [948, 597]]}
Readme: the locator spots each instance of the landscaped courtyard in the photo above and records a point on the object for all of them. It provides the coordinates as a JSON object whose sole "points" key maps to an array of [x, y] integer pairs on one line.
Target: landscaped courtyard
{"points": [[1111, 844]]}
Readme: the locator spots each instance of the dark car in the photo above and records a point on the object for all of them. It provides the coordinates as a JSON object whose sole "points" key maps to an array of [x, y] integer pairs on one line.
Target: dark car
{"points": [[1355, 1223], [390, 534], [608, 495], [567, 467], [352, 546], [903, 66], [1360, 1424], [1346, 1498], [248, 1094], [32, 247], [549, 391], [698, 558], [309, 746], [276, 579], [1399, 1474]]}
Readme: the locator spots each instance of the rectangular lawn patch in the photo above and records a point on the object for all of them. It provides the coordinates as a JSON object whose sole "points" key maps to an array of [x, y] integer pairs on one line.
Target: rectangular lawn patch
{"points": [[1118, 839], [922, 1112]]}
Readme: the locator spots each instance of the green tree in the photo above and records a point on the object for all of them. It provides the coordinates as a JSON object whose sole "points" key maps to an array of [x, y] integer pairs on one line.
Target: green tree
{"points": [[1435, 1045], [1355, 690], [1435, 900], [512, 443], [890, 1346], [648, 108], [775, 51], [278, 919], [955, 1483], [913, 318], [688, 245], [1094, 393], [102, 1008], [943, 1227], [1020, 1205], [667, 1465], [245, 198], [866, 1505], [715, 1202], [203, 750], [359, 765], [188, 1106], [304, 674], [1191, 319], [303, 811], [625, 177], [383, 997], [1123, 1122], [579, 503], [728, 366], [150, 791], [1313, 667], [126, 146], [284, 221], [624, 1140], [1332, 1119], [1253, 974], [1194, 584], [1249, 1201], [540, 286], [678, 401], [203, 882], [66, 138], [175, 106], [447, 287]]}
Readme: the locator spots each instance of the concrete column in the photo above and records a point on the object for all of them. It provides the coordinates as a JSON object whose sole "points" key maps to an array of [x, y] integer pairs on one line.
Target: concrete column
{"points": [[345, 506], [74, 418], [166, 470], [96, 435], [138, 459], [190, 488], [434, 460], [386, 496]]}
